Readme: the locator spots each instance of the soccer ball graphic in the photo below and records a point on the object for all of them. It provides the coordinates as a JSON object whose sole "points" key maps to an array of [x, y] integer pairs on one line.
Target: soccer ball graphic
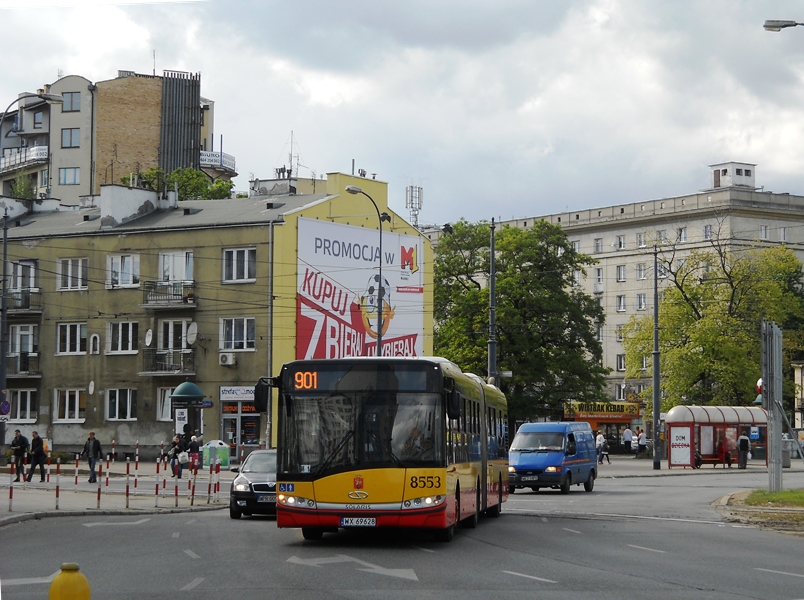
{"points": [[370, 303]]}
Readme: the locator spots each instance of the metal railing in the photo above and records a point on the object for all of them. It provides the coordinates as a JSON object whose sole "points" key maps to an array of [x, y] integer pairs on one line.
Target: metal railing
{"points": [[24, 299], [155, 360], [168, 293], [218, 159], [23, 157], [23, 363]]}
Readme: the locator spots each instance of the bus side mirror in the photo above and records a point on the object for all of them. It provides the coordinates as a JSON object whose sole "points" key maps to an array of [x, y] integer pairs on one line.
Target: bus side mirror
{"points": [[262, 394], [453, 404]]}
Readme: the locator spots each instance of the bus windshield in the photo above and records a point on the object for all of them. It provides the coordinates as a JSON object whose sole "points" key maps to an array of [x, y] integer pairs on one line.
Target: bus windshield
{"points": [[538, 441], [327, 434]]}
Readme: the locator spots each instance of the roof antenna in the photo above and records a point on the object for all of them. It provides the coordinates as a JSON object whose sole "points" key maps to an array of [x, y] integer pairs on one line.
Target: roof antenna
{"points": [[154, 53]]}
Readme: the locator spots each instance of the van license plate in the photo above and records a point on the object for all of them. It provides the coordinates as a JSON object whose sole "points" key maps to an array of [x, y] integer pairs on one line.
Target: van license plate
{"points": [[358, 522], [530, 478]]}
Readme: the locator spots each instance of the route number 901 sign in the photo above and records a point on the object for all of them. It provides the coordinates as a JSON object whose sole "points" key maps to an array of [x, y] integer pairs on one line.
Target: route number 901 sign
{"points": [[306, 380]]}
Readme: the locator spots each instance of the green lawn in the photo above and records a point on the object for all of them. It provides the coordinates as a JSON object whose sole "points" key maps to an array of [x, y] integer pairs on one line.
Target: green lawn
{"points": [[785, 498]]}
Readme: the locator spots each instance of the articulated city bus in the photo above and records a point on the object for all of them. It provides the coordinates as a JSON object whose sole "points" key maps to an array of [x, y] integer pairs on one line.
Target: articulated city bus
{"points": [[388, 442]]}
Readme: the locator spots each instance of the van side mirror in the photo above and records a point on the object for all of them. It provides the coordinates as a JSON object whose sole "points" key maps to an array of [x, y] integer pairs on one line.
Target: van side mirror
{"points": [[453, 404]]}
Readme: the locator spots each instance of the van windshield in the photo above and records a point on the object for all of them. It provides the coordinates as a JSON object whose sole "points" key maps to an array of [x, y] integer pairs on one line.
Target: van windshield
{"points": [[535, 441]]}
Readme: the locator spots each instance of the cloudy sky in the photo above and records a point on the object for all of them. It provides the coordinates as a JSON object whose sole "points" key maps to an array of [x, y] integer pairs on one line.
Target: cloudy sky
{"points": [[512, 108]]}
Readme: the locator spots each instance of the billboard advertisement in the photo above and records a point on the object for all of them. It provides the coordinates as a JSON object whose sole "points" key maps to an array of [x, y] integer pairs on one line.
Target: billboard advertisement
{"points": [[338, 291]]}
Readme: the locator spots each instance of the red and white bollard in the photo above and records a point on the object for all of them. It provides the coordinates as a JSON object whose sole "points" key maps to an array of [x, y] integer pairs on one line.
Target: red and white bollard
{"points": [[136, 464], [128, 469], [77, 457], [11, 485], [217, 478], [113, 454], [175, 489], [107, 473], [58, 473], [107, 463], [156, 485], [100, 478], [47, 478], [209, 485], [242, 451]]}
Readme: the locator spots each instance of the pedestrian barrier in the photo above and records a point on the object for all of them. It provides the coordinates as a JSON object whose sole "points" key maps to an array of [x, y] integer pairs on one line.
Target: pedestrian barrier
{"points": [[58, 474]]}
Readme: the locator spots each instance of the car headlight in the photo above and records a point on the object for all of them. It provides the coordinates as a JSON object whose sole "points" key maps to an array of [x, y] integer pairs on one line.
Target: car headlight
{"points": [[242, 487], [511, 469], [553, 470], [424, 502]]}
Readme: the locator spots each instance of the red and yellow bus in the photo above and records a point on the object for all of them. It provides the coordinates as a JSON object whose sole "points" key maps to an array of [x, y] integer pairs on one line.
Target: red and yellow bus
{"points": [[388, 442]]}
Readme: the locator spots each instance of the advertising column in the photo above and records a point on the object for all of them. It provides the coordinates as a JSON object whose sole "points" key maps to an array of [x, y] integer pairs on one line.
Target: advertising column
{"points": [[241, 421]]}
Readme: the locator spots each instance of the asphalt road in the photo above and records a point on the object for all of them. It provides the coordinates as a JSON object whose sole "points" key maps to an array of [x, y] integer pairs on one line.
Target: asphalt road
{"points": [[633, 537]]}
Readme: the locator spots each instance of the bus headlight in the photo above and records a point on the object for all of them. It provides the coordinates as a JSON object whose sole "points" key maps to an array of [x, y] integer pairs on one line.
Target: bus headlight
{"points": [[295, 501], [424, 502]]}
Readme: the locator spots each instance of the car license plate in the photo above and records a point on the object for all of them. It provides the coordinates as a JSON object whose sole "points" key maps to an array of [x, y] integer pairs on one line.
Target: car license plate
{"points": [[530, 478], [358, 522], [266, 498]]}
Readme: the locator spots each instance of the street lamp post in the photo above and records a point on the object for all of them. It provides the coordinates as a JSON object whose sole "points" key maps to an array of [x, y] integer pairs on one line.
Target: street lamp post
{"points": [[50, 98], [353, 189], [657, 465], [776, 25]]}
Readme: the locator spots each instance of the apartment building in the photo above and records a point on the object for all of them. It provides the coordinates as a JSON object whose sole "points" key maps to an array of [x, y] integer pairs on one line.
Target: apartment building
{"points": [[113, 305], [103, 131]]}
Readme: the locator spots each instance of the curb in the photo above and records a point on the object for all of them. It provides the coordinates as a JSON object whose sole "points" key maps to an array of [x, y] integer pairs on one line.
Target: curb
{"points": [[116, 512]]}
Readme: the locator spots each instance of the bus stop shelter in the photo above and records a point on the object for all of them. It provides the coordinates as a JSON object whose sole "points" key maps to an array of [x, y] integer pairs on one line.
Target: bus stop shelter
{"points": [[713, 431]]}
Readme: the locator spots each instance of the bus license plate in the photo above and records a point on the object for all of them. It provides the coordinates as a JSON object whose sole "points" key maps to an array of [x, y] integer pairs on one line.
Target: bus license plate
{"points": [[530, 478], [358, 522], [266, 498]]}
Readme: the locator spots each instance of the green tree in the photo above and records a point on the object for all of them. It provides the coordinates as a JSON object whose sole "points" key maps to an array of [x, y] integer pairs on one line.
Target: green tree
{"points": [[22, 187], [190, 183], [546, 325], [709, 321]]}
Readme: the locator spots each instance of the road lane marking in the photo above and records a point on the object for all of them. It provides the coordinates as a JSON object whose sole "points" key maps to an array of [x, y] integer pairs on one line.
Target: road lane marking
{"points": [[175, 534], [423, 549], [339, 558], [649, 549], [191, 521], [779, 572], [30, 580], [530, 577], [570, 530], [140, 522], [191, 554], [192, 584]]}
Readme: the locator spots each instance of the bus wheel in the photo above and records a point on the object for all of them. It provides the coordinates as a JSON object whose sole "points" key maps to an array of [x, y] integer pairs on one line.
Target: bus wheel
{"points": [[444, 535], [511, 489], [494, 511], [312, 533], [565, 487], [590, 483]]}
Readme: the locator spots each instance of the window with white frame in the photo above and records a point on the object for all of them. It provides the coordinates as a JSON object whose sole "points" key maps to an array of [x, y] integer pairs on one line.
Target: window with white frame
{"points": [[598, 245], [239, 264], [43, 178], [70, 176], [71, 274], [618, 333], [24, 275], [576, 245], [620, 272], [94, 344], [237, 334], [121, 404], [621, 362], [707, 232], [681, 235], [782, 234], [598, 274], [641, 271], [176, 266], [620, 242], [173, 334], [163, 408], [122, 270], [70, 405], [72, 338], [763, 232], [559, 250], [641, 240], [599, 333], [24, 405], [619, 392], [23, 339], [661, 236], [122, 337], [645, 362], [661, 271], [621, 303], [642, 302], [577, 277]]}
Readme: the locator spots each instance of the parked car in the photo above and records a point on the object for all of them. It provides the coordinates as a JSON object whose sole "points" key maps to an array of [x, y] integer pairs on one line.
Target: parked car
{"points": [[254, 489]]}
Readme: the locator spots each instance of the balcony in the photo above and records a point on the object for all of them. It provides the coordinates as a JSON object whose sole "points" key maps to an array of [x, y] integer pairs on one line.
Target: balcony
{"points": [[26, 301], [24, 157], [157, 362], [163, 295], [23, 364], [219, 161]]}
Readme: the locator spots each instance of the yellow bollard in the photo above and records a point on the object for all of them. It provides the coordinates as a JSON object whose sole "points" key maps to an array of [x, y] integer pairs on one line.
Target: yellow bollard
{"points": [[69, 584]]}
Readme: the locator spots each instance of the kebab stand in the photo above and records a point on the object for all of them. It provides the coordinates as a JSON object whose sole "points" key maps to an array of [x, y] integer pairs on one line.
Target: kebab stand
{"points": [[713, 430]]}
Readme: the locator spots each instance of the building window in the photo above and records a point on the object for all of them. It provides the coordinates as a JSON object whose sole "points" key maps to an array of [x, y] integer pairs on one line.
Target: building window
{"points": [[661, 236], [38, 120], [738, 171], [748, 172], [176, 266], [599, 275], [94, 344], [71, 138], [122, 337], [645, 363], [69, 176], [661, 272], [620, 272], [576, 245], [641, 243], [621, 303], [237, 334], [641, 271], [782, 234], [618, 333], [24, 275], [123, 270], [239, 265], [163, 408], [642, 302], [23, 340], [121, 404], [707, 232], [173, 334], [43, 178], [71, 405], [72, 102], [72, 338], [620, 242], [598, 245], [24, 405], [577, 277], [763, 232], [681, 235], [71, 274], [621, 362], [599, 333]]}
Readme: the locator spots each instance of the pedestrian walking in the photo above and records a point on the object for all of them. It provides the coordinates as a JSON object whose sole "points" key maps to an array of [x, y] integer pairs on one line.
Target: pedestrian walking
{"points": [[604, 453], [743, 448], [193, 450], [37, 456], [94, 453], [628, 437], [599, 441], [176, 448], [642, 442], [19, 447]]}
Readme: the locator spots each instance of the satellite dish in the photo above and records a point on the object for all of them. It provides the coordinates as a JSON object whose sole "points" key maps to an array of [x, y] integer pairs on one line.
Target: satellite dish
{"points": [[192, 333], [149, 337], [91, 387]]}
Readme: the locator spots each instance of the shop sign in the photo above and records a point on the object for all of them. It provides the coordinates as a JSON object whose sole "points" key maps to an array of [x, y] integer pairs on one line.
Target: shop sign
{"points": [[601, 410], [237, 392]]}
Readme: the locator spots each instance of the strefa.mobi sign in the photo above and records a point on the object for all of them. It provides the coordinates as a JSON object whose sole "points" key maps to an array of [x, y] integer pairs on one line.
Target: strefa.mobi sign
{"points": [[338, 292]]}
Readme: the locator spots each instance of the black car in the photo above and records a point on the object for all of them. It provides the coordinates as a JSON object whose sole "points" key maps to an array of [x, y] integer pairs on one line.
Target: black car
{"points": [[254, 489]]}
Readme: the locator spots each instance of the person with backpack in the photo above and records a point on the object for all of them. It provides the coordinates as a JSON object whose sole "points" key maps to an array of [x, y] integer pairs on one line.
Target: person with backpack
{"points": [[743, 448]]}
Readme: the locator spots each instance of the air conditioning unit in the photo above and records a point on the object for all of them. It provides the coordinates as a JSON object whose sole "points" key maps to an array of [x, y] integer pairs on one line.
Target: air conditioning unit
{"points": [[227, 359]]}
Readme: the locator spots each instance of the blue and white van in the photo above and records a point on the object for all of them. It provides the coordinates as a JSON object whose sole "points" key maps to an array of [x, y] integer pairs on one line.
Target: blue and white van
{"points": [[552, 455]]}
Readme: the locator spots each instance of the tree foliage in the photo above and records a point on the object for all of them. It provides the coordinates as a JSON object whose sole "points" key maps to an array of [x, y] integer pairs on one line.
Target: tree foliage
{"points": [[22, 187], [709, 321], [546, 325], [190, 183]]}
